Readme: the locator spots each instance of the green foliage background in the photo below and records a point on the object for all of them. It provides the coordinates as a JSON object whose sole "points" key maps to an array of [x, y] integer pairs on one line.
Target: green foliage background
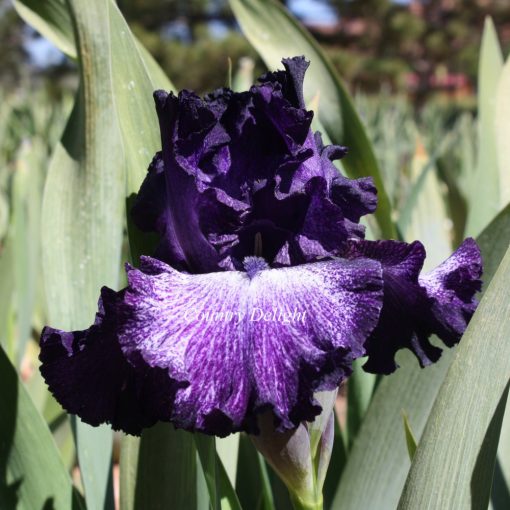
{"points": [[442, 172]]}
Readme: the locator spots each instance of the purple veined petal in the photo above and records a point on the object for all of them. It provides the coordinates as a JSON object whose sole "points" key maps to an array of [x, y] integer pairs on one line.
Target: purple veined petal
{"points": [[341, 302], [452, 285], [416, 307], [159, 350], [247, 344], [89, 376], [166, 317]]}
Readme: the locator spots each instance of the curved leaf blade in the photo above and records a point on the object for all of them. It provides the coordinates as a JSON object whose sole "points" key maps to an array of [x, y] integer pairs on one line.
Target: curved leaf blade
{"points": [[135, 76], [81, 251], [484, 199], [32, 474], [52, 20]]}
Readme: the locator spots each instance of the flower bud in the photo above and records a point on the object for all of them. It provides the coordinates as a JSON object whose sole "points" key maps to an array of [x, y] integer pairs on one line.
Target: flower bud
{"points": [[301, 456]]}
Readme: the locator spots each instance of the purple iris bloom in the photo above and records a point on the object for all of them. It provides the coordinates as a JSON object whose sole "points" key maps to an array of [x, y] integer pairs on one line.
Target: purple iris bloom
{"points": [[262, 290]]}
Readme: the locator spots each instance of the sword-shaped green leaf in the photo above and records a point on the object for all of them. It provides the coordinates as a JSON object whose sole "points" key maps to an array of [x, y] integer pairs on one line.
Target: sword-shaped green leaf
{"points": [[83, 217], [167, 470], [455, 458], [32, 475], [112, 132], [485, 200]]}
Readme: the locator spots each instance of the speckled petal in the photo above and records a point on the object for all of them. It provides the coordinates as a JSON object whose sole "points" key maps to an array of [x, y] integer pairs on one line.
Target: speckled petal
{"points": [[341, 300], [453, 285], [246, 344], [90, 377], [414, 306]]}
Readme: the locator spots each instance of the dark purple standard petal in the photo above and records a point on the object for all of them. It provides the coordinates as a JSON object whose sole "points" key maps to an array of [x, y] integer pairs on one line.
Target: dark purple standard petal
{"points": [[290, 80], [152, 213], [238, 342], [415, 307], [235, 166]]}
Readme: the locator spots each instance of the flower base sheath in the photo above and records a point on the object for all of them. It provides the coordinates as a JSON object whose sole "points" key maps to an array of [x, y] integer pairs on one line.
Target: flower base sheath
{"points": [[262, 290]]}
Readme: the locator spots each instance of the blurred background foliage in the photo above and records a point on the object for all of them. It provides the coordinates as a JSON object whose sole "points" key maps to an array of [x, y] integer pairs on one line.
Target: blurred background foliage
{"points": [[420, 47], [411, 66]]}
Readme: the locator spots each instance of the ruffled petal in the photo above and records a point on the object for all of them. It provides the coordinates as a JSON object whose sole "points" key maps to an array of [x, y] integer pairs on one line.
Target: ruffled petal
{"points": [[222, 153], [292, 124], [151, 213], [291, 80], [452, 286], [261, 312], [308, 226], [174, 321], [356, 197], [341, 300], [89, 376], [415, 307], [403, 322], [331, 233], [250, 343], [187, 122]]}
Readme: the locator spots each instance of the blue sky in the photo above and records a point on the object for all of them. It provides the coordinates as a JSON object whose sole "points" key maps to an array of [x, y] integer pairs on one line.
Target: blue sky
{"points": [[41, 51], [312, 11]]}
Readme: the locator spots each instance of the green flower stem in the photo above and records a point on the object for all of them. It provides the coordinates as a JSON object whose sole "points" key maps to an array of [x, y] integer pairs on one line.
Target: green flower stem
{"points": [[298, 504]]}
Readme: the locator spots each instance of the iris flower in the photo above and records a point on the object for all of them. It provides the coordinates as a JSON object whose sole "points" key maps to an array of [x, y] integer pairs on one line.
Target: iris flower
{"points": [[262, 290]]}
